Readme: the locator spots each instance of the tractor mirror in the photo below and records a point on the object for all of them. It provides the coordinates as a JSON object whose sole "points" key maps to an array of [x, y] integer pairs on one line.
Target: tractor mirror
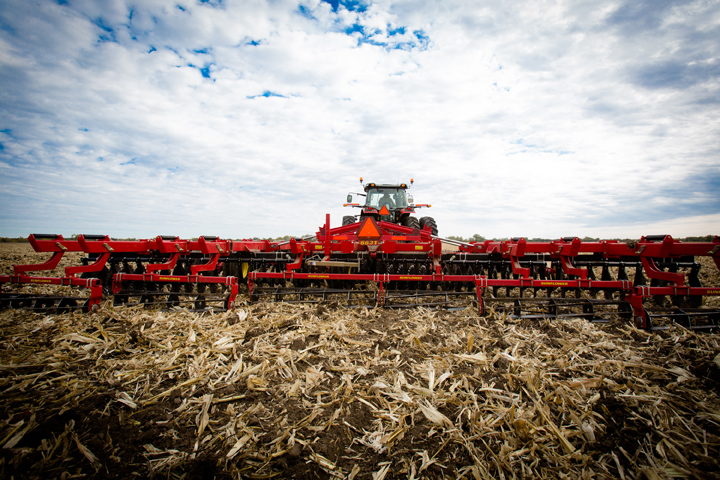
{"points": [[410, 199], [349, 199]]}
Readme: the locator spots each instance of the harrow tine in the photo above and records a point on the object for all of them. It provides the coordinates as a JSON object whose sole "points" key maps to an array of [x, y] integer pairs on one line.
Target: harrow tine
{"points": [[66, 305], [173, 300], [200, 303]]}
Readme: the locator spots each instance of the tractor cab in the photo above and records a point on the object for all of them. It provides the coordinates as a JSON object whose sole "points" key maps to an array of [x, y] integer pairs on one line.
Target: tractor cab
{"points": [[388, 203], [392, 197]]}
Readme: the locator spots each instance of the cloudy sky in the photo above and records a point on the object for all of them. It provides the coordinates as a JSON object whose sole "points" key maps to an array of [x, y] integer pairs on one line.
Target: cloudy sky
{"points": [[245, 118]]}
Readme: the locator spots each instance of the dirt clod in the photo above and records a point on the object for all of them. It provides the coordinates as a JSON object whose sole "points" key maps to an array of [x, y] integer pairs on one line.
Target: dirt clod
{"points": [[298, 391]]}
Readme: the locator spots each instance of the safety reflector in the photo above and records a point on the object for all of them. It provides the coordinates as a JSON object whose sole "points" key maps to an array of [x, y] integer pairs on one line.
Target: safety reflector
{"points": [[384, 210], [369, 230]]}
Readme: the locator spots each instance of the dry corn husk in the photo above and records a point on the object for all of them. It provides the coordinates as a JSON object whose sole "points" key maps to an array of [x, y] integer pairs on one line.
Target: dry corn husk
{"points": [[270, 391]]}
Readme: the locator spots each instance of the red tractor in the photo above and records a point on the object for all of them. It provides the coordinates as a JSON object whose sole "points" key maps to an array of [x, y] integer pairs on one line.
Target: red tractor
{"points": [[389, 203]]}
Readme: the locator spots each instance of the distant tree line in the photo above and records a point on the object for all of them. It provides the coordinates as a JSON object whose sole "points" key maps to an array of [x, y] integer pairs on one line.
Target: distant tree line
{"points": [[706, 238], [475, 238], [479, 238], [132, 239]]}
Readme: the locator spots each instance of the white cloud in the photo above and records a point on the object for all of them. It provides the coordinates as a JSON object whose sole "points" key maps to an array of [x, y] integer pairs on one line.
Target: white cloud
{"points": [[535, 118]]}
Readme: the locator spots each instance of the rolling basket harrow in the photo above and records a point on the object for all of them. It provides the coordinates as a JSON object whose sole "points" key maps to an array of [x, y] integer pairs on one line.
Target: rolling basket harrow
{"points": [[388, 258]]}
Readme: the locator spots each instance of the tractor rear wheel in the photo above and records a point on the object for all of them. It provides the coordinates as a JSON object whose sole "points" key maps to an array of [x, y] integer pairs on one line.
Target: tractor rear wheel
{"points": [[411, 222], [348, 219], [430, 222]]}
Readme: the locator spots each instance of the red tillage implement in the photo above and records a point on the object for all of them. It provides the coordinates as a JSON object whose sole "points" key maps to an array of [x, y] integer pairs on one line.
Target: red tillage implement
{"points": [[372, 262], [525, 279], [56, 245], [168, 289], [107, 263]]}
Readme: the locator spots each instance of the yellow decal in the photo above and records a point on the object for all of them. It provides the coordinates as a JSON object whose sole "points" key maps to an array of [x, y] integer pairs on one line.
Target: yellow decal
{"points": [[418, 247], [368, 242], [40, 280], [713, 292], [410, 278], [553, 284], [318, 276], [318, 247], [170, 279]]}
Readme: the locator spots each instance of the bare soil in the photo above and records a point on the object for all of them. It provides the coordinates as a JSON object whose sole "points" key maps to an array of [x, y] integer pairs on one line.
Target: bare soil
{"points": [[278, 391]]}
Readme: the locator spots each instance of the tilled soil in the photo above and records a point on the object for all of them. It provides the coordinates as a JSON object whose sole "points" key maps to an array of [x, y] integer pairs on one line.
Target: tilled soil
{"points": [[278, 391]]}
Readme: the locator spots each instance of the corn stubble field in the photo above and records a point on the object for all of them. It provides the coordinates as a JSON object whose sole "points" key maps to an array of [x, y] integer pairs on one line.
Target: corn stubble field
{"points": [[279, 391]]}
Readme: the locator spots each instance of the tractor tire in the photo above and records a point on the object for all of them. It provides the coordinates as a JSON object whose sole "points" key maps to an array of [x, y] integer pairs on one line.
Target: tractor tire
{"points": [[411, 222], [431, 222], [348, 219]]}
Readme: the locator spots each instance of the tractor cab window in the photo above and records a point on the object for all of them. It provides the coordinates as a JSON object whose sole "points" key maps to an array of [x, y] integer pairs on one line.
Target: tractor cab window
{"points": [[390, 197]]}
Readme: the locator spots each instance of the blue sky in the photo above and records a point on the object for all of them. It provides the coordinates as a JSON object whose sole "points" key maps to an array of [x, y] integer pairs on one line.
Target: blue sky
{"points": [[255, 118]]}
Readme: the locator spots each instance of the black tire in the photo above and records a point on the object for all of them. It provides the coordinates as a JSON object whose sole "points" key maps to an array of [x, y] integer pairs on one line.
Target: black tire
{"points": [[348, 219], [411, 222], [431, 222]]}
